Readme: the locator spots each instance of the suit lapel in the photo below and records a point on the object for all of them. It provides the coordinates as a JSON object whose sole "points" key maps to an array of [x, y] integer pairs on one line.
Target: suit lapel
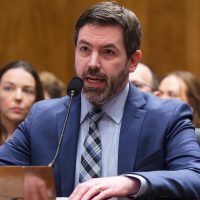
{"points": [[129, 137], [130, 130], [67, 155]]}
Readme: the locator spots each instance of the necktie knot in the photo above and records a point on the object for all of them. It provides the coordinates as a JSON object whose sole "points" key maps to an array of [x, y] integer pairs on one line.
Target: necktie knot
{"points": [[95, 114]]}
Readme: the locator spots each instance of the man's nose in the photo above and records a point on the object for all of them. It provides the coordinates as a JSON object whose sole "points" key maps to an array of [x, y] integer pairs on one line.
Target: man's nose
{"points": [[94, 61]]}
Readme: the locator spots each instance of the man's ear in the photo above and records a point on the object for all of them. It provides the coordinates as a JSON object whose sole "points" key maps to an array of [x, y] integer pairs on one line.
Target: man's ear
{"points": [[134, 60]]}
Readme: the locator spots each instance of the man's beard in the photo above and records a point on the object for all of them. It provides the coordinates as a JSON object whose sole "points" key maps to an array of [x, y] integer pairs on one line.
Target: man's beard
{"points": [[101, 96]]}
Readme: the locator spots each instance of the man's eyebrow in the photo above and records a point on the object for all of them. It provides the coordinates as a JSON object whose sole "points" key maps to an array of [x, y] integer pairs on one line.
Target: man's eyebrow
{"points": [[83, 42], [110, 46]]}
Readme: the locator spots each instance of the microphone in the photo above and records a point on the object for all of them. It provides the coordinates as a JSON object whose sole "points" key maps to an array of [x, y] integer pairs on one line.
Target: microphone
{"points": [[73, 89], [75, 86]]}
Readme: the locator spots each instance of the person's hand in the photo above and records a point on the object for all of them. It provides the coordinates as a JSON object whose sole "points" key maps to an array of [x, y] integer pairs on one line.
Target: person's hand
{"points": [[35, 188], [105, 188]]}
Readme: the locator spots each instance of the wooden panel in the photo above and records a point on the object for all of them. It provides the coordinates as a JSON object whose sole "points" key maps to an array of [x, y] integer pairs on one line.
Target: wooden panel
{"points": [[15, 178], [193, 36], [165, 36], [36, 31], [41, 32]]}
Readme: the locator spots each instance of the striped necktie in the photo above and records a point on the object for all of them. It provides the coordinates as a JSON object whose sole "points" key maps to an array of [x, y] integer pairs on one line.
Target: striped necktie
{"points": [[91, 157]]}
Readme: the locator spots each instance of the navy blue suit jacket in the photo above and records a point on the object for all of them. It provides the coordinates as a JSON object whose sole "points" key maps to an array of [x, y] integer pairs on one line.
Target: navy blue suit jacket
{"points": [[157, 141]]}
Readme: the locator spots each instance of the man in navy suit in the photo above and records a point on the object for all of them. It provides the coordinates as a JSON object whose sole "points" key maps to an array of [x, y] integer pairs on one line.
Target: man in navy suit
{"points": [[149, 148]]}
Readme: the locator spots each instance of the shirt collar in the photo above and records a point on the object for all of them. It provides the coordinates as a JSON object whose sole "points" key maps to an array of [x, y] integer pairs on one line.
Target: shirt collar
{"points": [[112, 108]]}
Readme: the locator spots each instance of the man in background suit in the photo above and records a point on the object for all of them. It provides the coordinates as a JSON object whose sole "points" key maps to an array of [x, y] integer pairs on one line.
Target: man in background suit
{"points": [[149, 149]]}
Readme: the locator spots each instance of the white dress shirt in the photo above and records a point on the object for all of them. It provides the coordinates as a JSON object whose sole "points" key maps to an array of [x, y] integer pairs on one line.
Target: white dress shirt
{"points": [[109, 129]]}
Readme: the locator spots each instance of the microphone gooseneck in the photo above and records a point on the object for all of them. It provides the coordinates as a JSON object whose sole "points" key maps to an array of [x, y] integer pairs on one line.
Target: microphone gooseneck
{"points": [[73, 89]]}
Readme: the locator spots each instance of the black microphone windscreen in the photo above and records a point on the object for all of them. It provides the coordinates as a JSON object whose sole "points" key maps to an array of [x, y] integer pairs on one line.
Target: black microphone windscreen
{"points": [[75, 86]]}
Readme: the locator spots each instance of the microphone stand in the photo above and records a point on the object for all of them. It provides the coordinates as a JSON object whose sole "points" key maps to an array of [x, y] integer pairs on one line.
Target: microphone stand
{"points": [[72, 94]]}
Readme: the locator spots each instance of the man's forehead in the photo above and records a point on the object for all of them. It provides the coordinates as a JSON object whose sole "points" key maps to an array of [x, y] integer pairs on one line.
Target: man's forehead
{"points": [[96, 31]]}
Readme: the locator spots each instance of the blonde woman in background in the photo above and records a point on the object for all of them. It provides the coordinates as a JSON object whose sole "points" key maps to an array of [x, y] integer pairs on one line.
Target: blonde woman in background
{"points": [[185, 86], [20, 87], [53, 87]]}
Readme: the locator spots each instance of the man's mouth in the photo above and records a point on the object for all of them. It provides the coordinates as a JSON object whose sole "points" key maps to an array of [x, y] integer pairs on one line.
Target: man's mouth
{"points": [[94, 82]]}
